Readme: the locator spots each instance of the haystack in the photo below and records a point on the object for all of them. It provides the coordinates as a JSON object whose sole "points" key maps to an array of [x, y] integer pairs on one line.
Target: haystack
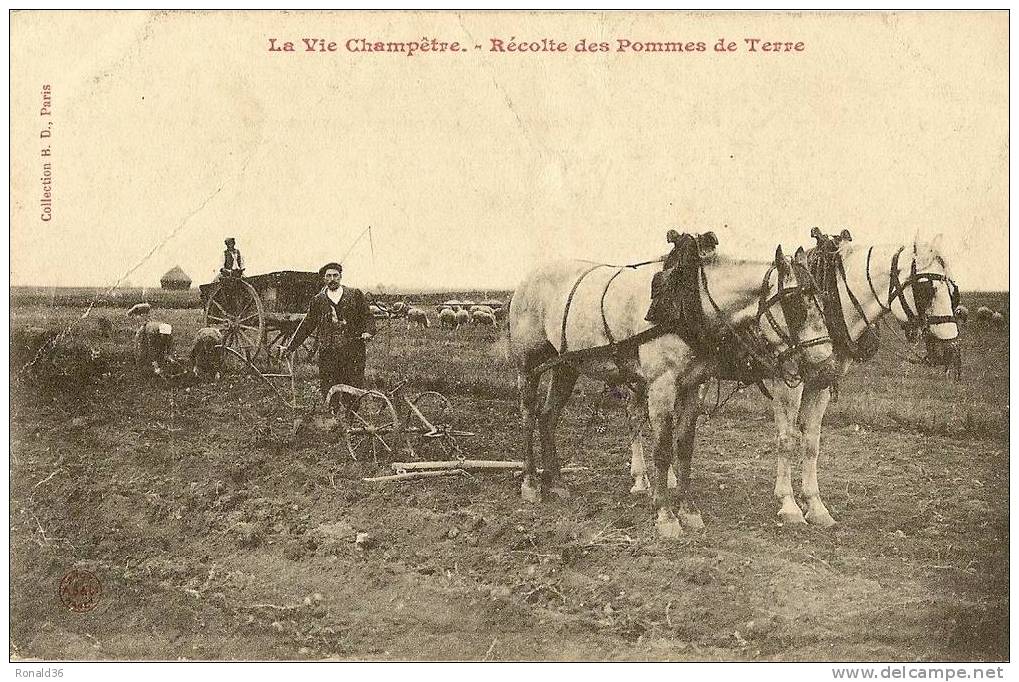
{"points": [[175, 279]]}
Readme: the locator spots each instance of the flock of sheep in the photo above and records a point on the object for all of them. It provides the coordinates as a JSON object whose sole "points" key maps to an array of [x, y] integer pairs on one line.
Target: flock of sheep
{"points": [[454, 314], [983, 314]]}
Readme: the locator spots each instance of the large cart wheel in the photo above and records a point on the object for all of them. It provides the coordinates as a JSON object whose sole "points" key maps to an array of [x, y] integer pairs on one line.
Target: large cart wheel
{"points": [[236, 309], [372, 427], [434, 412]]}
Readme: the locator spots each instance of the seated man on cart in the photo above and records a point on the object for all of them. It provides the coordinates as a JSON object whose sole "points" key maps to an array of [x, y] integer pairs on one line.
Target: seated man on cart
{"points": [[341, 320], [233, 262]]}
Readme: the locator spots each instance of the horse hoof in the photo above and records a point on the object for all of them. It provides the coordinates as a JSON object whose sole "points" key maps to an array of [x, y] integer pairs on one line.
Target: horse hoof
{"points": [[640, 486], [530, 494], [668, 526], [822, 519], [790, 518], [670, 530]]}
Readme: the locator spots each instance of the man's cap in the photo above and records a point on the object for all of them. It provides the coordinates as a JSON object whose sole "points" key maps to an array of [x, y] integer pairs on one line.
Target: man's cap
{"points": [[229, 240], [672, 236], [330, 266]]}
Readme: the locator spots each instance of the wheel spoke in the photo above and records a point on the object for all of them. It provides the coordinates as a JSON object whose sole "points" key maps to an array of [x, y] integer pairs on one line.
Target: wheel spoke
{"points": [[363, 420], [216, 318], [249, 343], [241, 313], [221, 309]]}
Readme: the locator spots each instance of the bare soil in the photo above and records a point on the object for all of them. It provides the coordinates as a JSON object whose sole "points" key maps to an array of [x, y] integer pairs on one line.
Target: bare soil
{"points": [[215, 539]]}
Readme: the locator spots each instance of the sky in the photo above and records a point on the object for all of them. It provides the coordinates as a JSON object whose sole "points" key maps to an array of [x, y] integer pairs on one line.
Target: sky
{"points": [[171, 131]]}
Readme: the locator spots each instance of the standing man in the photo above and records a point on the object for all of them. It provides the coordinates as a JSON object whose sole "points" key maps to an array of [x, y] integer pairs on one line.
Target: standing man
{"points": [[233, 262], [340, 317]]}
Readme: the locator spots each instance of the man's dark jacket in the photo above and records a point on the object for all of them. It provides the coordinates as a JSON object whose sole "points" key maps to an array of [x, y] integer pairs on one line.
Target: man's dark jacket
{"points": [[352, 319]]}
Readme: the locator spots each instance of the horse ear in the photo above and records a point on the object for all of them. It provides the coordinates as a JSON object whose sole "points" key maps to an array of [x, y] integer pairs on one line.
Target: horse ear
{"points": [[779, 256], [800, 256], [847, 236]]}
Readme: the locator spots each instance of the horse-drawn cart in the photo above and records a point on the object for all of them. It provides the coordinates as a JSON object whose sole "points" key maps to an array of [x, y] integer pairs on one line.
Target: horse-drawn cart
{"points": [[259, 312]]}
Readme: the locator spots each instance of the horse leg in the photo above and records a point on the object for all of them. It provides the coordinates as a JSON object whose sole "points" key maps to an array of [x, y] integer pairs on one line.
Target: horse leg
{"points": [[636, 413], [815, 402], [661, 404], [559, 390], [684, 431], [786, 404], [527, 386]]}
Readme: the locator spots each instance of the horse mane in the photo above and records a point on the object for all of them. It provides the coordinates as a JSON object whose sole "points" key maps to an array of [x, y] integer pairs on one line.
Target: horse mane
{"points": [[925, 252]]}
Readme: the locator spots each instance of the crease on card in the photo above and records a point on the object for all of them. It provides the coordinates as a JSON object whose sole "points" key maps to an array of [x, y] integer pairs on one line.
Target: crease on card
{"points": [[180, 226], [529, 135]]}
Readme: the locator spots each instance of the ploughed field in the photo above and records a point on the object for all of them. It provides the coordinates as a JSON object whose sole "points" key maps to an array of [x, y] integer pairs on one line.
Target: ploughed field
{"points": [[216, 535]]}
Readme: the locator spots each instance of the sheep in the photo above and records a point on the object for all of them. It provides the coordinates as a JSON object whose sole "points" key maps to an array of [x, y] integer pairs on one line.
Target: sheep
{"points": [[207, 353], [447, 318], [400, 308], [462, 317], [483, 309], [139, 309], [417, 318], [962, 314], [483, 317], [153, 343], [983, 314], [499, 309], [998, 319], [452, 303]]}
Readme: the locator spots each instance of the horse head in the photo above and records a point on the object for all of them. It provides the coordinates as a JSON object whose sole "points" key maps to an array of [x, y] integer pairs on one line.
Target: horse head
{"points": [[791, 319], [923, 297]]}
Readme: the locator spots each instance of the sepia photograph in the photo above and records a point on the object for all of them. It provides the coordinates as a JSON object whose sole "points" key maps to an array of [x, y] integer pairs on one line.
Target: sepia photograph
{"points": [[491, 336]]}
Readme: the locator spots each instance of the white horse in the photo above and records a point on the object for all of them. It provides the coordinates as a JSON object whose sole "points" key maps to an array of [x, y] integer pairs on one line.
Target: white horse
{"points": [[575, 317], [912, 283]]}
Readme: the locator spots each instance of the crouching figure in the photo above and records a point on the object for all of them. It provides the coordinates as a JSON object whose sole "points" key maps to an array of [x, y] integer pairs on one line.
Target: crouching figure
{"points": [[153, 345], [207, 354]]}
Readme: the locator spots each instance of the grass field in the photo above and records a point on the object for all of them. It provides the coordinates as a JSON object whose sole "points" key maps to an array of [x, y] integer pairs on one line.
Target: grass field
{"points": [[213, 541], [125, 297]]}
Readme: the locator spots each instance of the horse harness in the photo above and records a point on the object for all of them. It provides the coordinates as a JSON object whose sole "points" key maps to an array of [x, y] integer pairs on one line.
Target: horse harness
{"points": [[750, 356], [827, 267], [923, 294]]}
